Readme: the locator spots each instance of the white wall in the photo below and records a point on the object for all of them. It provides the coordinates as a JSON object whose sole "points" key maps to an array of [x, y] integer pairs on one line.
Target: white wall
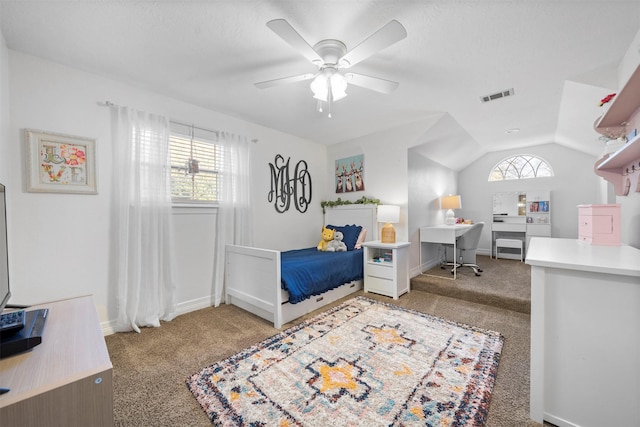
{"points": [[60, 243], [385, 164], [5, 161], [574, 183], [428, 181]]}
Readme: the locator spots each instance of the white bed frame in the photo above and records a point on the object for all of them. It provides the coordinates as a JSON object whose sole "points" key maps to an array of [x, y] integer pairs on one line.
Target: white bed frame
{"points": [[252, 275]]}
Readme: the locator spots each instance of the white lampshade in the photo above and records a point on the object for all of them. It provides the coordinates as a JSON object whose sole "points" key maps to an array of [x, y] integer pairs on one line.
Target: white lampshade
{"points": [[450, 203], [388, 213]]}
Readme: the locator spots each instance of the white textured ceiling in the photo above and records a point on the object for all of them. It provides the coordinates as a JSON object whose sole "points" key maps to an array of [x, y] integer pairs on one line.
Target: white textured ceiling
{"points": [[559, 56]]}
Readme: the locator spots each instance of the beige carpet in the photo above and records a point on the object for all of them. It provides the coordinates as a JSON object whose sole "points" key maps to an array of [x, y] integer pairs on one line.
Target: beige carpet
{"points": [[150, 368], [502, 283]]}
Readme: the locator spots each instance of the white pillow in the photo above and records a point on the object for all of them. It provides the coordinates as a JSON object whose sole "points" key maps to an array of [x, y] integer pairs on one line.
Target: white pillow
{"points": [[361, 238]]}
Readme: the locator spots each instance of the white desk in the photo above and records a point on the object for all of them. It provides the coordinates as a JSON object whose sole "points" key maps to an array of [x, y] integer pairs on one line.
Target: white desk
{"points": [[443, 234], [585, 333]]}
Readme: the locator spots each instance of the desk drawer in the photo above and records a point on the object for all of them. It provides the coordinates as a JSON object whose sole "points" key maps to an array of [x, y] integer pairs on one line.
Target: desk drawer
{"points": [[380, 270], [504, 226]]}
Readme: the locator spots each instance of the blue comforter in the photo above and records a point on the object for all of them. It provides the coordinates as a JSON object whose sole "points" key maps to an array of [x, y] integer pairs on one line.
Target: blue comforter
{"points": [[307, 272]]}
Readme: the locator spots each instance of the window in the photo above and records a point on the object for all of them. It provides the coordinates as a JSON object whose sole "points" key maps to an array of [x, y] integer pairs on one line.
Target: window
{"points": [[522, 166], [196, 160]]}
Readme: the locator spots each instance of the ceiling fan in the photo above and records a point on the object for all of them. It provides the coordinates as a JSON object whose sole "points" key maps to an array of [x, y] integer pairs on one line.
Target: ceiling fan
{"points": [[331, 56]]}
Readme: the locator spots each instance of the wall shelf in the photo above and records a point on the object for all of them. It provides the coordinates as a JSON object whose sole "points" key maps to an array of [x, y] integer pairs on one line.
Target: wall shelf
{"points": [[620, 159], [622, 168], [623, 106]]}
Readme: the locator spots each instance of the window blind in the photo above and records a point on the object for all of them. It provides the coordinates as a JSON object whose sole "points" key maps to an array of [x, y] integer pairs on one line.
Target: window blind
{"points": [[196, 159]]}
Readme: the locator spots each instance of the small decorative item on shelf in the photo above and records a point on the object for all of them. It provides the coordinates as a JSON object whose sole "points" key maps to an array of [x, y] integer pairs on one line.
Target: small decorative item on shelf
{"points": [[613, 145], [632, 134], [607, 99]]}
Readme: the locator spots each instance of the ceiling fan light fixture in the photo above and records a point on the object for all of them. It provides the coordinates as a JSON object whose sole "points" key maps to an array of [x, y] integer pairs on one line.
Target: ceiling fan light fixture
{"points": [[338, 85], [320, 88], [331, 55], [329, 81]]}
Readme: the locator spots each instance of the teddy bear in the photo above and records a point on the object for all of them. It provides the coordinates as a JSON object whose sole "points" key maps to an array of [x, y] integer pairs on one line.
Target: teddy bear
{"points": [[327, 237], [336, 245]]}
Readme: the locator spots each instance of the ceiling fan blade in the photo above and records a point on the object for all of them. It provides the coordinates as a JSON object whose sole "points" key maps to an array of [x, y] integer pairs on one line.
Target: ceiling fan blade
{"points": [[373, 83], [386, 36], [287, 33], [284, 80]]}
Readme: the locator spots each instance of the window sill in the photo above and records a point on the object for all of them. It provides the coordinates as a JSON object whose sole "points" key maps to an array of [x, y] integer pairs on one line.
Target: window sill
{"points": [[194, 208]]}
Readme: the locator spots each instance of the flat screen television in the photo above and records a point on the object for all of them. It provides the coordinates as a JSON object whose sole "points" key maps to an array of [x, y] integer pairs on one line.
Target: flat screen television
{"points": [[5, 292]]}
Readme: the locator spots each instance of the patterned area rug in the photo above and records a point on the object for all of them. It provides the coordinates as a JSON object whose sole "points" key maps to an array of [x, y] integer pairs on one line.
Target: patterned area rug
{"points": [[361, 363]]}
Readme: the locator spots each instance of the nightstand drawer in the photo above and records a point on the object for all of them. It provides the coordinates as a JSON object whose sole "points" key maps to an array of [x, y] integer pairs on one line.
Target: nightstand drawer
{"points": [[380, 285], [380, 270]]}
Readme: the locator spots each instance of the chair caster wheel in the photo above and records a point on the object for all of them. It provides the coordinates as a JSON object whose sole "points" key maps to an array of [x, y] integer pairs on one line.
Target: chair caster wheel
{"points": [[477, 274], [480, 270]]}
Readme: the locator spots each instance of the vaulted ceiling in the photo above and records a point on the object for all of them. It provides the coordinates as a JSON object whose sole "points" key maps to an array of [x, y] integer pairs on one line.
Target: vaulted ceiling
{"points": [[559, 57]]}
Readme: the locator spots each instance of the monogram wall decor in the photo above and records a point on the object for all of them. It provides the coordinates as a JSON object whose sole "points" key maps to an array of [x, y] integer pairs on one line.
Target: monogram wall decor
{"points": [[286, 187]]}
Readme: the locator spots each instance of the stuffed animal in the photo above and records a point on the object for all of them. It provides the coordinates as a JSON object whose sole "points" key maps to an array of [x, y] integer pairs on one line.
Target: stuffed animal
{"points": [[327, 236], [336, 245]]}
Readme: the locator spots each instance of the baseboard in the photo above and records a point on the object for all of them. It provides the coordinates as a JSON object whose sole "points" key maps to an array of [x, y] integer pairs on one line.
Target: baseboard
{"points": [[109, 327], [194, 304], [557, 421]]}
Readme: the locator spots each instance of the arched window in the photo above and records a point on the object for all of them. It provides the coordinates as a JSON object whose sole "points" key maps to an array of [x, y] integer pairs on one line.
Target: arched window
{"points": [[521, 166]]}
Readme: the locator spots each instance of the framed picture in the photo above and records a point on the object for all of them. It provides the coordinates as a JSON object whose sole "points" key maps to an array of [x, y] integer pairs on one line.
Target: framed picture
{"points": [[60, 163], [350, 174]]}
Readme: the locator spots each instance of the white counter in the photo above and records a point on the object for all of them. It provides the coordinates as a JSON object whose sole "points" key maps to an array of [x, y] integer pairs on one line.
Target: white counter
{"points": [[573, 254], [585, 333]]}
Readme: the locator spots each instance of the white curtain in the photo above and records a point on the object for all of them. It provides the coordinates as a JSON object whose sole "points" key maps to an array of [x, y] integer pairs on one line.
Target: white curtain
{"points": [[234, 222], [143, 231]]}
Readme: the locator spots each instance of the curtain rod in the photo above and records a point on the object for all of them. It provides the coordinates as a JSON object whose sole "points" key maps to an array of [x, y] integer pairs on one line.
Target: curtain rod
{"points": [[111, 104]]}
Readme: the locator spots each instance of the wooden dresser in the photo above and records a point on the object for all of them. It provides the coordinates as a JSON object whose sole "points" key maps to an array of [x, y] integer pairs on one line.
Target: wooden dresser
{"points": [[67, 379]]}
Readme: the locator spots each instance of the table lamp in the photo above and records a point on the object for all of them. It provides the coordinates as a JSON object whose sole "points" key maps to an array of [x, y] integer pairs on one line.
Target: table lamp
{"points": [[389, 214], [450, 203]]}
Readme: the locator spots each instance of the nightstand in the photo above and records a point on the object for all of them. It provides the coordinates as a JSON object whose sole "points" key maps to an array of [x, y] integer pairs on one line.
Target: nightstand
{"points": [[386, 268]]}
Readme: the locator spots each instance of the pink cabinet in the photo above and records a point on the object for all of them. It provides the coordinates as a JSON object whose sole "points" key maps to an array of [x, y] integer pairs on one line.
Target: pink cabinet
{"points": [[599, 224]]}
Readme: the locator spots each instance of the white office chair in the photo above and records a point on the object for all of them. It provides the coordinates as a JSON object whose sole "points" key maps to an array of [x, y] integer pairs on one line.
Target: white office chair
{"points": [[467, 242]]}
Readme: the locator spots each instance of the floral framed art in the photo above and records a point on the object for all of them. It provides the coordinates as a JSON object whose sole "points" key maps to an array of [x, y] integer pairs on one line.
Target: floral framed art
{"points": [[59, 163]]}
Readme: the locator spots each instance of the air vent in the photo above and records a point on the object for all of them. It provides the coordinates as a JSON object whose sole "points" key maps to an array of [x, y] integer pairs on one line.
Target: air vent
{"points": [[498, 95]]}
